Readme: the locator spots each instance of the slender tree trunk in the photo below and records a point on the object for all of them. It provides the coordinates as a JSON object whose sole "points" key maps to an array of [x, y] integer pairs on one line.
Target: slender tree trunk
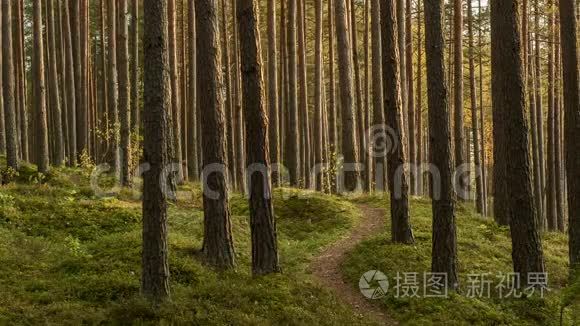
{"points": [[419, 109], [263, 226], [569, 37], [124, 92], [238, 113], [411, 118], [273, 130], [401, 30], [359, 109], [282, 96], [2, 121], [58, 159], [444, 252], [559, 191], [292, 140], [458, 92], [192, 157], [540, 114], [8, 87], [397, 170], [378, 112], [345, 69], [134, 49], [157, 97], [218, 247], [39, 91], [70, 84], [333, 131], [318, 131], [231, 154], [509, 96], [303, 95], [551, 159], [482, 115], [474, 121], [175, 89], [113, 110]]}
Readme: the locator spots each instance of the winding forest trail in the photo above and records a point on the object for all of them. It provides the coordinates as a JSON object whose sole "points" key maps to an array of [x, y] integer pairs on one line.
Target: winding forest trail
{"points": [[326, 267]]}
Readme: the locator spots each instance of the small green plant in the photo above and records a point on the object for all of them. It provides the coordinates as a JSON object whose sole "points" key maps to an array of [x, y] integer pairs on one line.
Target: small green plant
{"points": [[8, 175], [37, 178]]}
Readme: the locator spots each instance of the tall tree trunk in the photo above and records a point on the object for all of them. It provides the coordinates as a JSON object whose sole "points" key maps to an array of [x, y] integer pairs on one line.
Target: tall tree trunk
{"points": [[482, 115], [273, 131], [292, 140], [569, 37], [192, 145], [303, 95], [410, 93], [333, 131], [318, 105], [157, 104], [345, 69], [20, 70], [539, 114], [8, 87], [551, 159], [113, 110], [2, 121], [124, 92], [479, 201], [458, 92], [509, 97], [175, 89], [444, 253], [39, 91], [104, 126], [401, 31], [218, 247], [58, 159], [263, 226], [231, 154], [70, 84], [419, 109], [398, 171], [559, 191], [380, 160], [238, 114], [359, 109], [134, 49]]}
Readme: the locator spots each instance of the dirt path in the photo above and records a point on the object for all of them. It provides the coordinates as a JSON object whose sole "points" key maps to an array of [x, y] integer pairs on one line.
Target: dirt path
{"points": [[326, 267]]}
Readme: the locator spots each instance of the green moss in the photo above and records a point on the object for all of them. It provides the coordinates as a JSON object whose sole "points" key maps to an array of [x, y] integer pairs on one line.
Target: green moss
{"points": [[483, 247], [68, 257]]}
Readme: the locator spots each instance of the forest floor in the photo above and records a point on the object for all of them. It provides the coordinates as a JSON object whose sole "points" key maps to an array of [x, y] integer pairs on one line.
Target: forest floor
{"points": [[69, 256]]}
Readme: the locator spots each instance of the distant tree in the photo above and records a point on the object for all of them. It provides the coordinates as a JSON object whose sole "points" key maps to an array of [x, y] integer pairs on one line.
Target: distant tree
{"points": [[157, 96], [318, 130], [509, 97], [134, 66], [444, 253], [70, 84], [124, 92], [39, 91], [113, 110], [458, 87], [273, 130], [175, 89], [8, 87], [380, 160], [345, 69], [55, 106], [292, 140], [218, 247], [192, 145]]}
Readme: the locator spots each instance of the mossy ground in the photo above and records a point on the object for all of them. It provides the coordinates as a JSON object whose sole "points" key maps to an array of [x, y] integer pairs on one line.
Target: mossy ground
{"points": [[483, 247], [68, 257]]}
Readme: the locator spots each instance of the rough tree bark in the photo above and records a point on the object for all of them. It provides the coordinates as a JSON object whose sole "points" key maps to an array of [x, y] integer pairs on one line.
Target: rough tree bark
{"points": [[8, 87], [218, 247], [124, 92], [192, 157], [380, 159], [345, 69], [39, 91], [508, 92], [262, 223], [175, 90], [292, 140], [397, 170], [58, 159], [444, 252], [157, 93], [569, 37]]}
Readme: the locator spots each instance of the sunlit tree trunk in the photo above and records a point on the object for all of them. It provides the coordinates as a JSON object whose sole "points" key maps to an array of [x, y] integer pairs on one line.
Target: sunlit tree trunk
{"points": [[8, 87]]}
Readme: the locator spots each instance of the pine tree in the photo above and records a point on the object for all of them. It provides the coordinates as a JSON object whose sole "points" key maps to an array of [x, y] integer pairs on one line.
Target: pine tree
{"points": [[444, 252], [157, 99], [8, 87]]}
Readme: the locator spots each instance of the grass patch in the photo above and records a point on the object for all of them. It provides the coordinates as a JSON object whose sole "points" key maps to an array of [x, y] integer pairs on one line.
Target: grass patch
{"points": [[483, 247], [69, 257]]}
